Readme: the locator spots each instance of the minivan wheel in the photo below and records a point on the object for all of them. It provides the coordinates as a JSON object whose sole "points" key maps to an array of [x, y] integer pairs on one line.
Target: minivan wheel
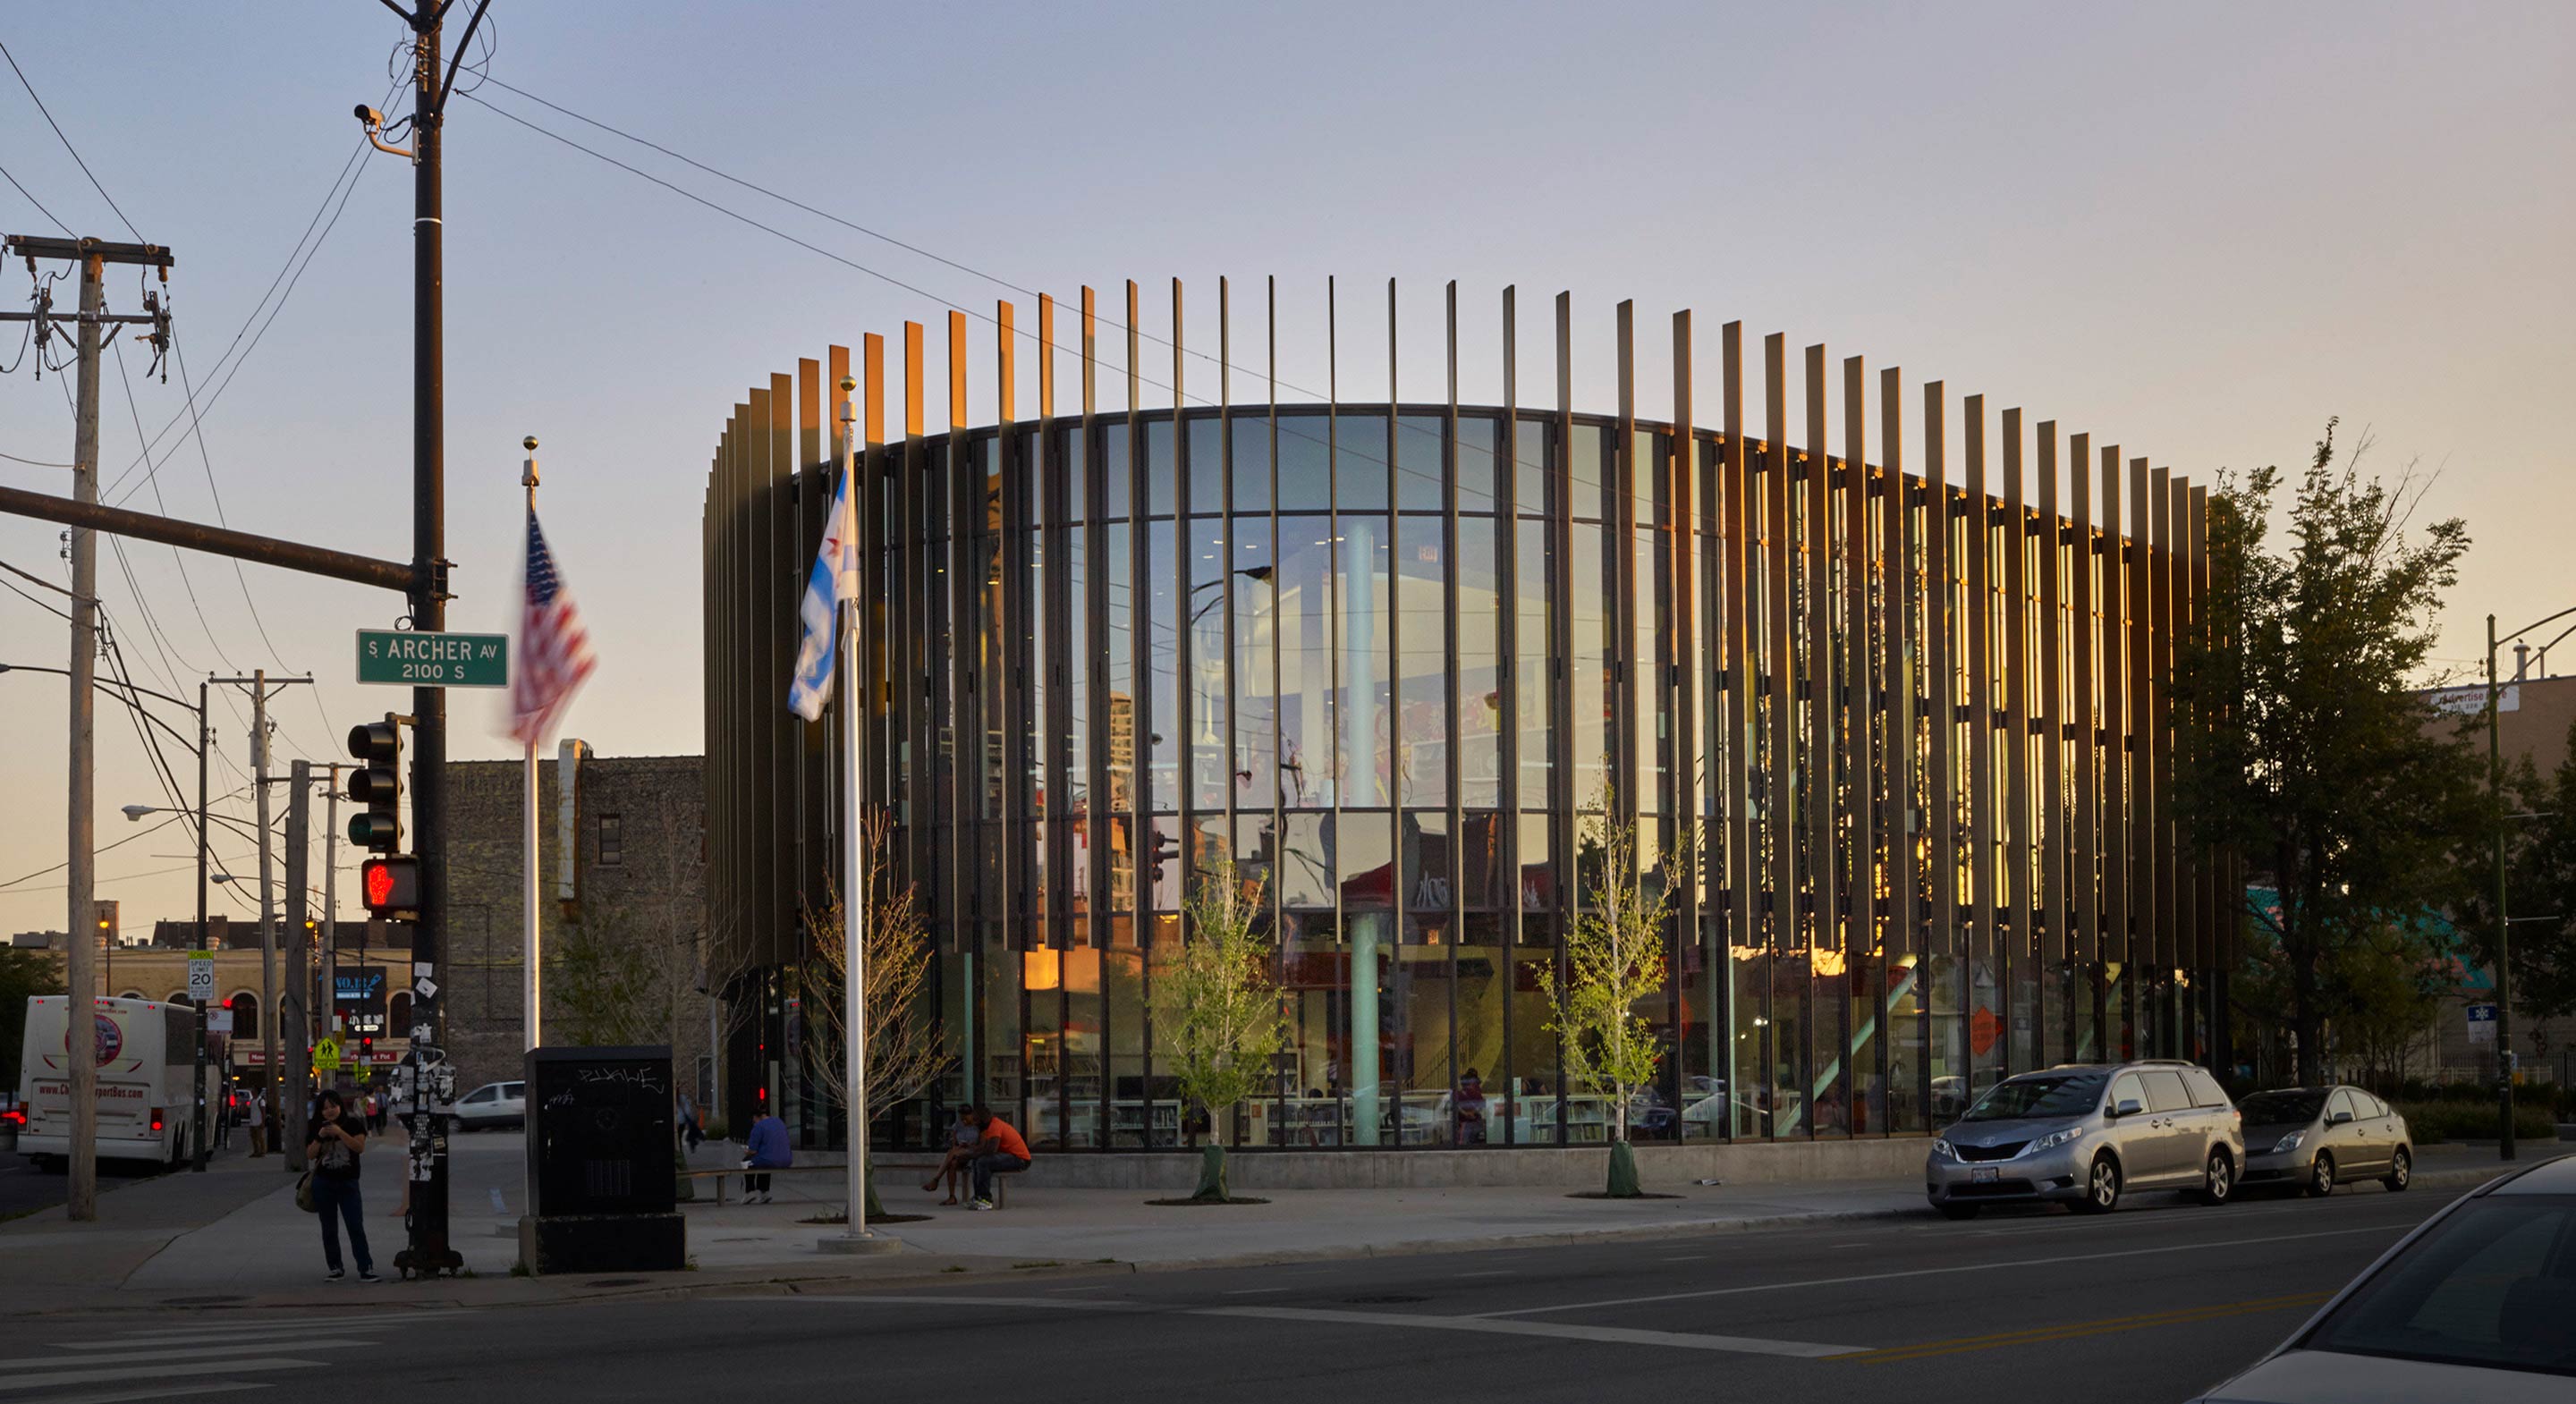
{"points": [[1959, 1211], [2401, 1170], [2101, 1187], [2217, 1179], [2321, 1175]]}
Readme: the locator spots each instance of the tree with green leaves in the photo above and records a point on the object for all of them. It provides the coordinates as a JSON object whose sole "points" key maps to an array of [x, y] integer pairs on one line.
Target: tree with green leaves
{"points": [[1219, 1021], [24, 974], [2298, 742], [1614, 961], [2538, 814]]}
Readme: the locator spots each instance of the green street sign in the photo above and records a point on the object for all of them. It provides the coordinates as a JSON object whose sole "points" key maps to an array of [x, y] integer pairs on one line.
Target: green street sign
{"points": [[409, 658]]}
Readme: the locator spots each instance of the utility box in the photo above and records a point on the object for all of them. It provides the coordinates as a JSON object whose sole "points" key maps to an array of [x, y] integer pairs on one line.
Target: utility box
{"points": [[602, 1153]]}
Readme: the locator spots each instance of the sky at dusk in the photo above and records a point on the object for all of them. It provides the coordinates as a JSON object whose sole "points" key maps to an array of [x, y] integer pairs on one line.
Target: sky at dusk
{"points": [[2197, 231]]}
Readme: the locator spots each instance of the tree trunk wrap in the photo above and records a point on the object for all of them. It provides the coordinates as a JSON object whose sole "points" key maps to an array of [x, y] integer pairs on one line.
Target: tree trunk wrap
{"points": [[1211, 1174], [1623, 1172]]}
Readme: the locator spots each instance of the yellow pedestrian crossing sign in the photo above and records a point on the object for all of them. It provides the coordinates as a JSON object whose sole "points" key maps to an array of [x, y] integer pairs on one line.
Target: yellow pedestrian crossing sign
{"points": [[326, 1055]]}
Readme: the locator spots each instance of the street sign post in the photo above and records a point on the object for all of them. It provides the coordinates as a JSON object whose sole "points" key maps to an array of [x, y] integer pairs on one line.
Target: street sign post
{"points": [[2482, 1023], [416, 658], [201, 977]]}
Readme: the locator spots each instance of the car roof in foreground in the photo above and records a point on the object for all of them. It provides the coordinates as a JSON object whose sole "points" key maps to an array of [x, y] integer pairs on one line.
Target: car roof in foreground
{"points": [[2556, 1176]]}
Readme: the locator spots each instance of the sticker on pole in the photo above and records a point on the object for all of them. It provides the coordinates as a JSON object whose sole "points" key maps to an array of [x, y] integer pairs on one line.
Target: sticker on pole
{"points": [[418, 658]]}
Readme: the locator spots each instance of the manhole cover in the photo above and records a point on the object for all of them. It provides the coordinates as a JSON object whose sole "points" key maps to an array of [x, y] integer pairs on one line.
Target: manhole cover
{"points": [[1384, 1299], [616, 1282], [200, 1301]]}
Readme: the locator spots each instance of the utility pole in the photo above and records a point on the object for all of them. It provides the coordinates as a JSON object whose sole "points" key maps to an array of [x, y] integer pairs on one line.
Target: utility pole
{"points": [[80, 753], [205, 746], [428, 1252], [326, 966], [271, 1013], [293, 1011]]}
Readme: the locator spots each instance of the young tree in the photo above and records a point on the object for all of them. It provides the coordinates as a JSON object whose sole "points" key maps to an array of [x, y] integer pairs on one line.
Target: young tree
{"points": [[1615, 958], [2298, 743], [1218, 1019], [24, 974], [905, 1049]]}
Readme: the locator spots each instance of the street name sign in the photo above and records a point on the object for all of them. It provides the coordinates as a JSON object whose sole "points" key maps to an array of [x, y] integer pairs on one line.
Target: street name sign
{"points": [[201, 977], [2482, 1023], [412, 658]]}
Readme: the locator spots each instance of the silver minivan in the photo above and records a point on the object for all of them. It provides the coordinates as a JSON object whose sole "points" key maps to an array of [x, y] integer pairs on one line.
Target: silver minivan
{"points": [[2084, 1135]]}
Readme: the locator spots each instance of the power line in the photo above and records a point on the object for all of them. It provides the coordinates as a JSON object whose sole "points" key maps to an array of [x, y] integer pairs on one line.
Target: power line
{"points": [[36, 463], [67, 146], [32, 200]]}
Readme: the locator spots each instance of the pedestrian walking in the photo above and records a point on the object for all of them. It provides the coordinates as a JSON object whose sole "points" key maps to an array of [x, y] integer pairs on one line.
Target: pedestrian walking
{"points": [[258, 1127], [339, 1141], [767, 1150]]}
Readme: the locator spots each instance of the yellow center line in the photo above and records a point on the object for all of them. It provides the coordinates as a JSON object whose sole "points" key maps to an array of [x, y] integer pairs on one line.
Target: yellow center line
{"points": [[2182, 1316]]}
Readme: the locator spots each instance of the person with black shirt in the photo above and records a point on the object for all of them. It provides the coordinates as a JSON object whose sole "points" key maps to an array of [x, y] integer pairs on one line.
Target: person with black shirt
{"points": [[339, 1139]]}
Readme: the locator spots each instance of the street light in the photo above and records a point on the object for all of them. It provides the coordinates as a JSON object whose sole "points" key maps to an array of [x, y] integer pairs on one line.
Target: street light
{"points": [[2504, 920]]}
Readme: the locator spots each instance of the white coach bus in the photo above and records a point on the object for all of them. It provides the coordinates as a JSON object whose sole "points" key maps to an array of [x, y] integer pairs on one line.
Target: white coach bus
{"points": [[146, 1052]]}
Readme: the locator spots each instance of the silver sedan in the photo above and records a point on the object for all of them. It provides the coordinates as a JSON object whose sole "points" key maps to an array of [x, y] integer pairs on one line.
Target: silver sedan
{"points": [[2315, 1138]]}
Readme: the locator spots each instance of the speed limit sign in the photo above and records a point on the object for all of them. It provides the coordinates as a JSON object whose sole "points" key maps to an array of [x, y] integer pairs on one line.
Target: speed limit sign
{"points": [[201, 977]]}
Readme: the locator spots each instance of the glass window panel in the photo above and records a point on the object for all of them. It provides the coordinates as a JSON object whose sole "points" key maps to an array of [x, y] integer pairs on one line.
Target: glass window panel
{"points": [[1538, 869], [1363, 859], [1480, 665], [1315, 974], [1536, 664], [1743, 1082], [1211, 575], [1422, 640], [1307, 699], [1161, 722], [1790, 1092], [1122, 992], [1252, 463], [1591, 454], [1207, 465], [1417, 462], [1256, 846], [1422, 842], [1162, 467], [1115, 481], [1529, 467], [1479, 454], [1359, 463], [1588, 666], [1649, 615], [1306, 865], [1482, 886], [1474, 1113], [1166, 863], [1305, 467], [1077, 671], [1533, 1083], [1361, 585], [1118, 831], [1069, 459], [1082, 1070], [1418, 1037], [1118, 657], [1256, 620]]}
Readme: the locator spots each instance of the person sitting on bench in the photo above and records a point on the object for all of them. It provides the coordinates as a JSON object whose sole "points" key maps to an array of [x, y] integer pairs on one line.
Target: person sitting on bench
{"points": [[1000, 1151], [962, 1140]]}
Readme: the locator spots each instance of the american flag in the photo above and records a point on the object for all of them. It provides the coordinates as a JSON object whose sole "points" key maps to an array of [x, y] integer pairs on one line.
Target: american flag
{"points": [[554, 650]]}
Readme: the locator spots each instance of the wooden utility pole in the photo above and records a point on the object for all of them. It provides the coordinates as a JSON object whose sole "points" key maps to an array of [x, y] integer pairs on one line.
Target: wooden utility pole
{"points": [[79, 1017]]}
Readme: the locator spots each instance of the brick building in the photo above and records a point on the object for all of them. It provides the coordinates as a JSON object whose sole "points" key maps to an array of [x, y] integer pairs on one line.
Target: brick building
{"points": [[631, 830]]}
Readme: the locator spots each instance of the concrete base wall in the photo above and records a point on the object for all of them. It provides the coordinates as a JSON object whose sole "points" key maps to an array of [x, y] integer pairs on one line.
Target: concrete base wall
{"points": [[1574, 1167]]}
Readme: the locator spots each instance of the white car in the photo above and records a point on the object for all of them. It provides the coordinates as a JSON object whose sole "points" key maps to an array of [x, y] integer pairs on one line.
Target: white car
{"points": [[2476, 1306], [493, 1104]]}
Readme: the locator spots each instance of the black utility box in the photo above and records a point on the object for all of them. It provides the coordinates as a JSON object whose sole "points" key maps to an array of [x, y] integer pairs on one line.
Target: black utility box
{"points": [[602, 1154]]}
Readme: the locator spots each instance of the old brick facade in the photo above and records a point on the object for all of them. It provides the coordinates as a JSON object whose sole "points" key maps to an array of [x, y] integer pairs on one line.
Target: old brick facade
{"points": [[638, 876]]}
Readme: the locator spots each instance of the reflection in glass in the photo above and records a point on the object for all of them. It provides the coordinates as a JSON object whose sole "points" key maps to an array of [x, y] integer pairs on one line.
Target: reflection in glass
{"points": [[1422, 641]]}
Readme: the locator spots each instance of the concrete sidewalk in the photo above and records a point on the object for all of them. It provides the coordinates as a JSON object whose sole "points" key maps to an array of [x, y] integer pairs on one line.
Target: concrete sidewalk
{"points": [[236, 1240]]}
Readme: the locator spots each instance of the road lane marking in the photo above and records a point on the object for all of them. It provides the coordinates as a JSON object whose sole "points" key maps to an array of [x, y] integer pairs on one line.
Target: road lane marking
{"points": [[157, 1392], [2181, 1316], [193, 1350], [1688, 1258], [1550, 1330], [1496, 1272], [109, 1375], [248, 1330], [1939, 1271], [1485, 1325], [1255, 1291]]}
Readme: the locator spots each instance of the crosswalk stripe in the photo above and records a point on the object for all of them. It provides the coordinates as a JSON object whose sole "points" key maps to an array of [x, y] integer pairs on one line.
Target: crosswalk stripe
{"points": [[192, 1388], [191, 1350], [50, 1379], [253, 1330]]}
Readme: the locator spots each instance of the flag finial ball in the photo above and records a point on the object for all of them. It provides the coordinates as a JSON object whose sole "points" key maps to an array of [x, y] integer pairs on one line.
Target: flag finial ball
{"points": [[529, 443]]}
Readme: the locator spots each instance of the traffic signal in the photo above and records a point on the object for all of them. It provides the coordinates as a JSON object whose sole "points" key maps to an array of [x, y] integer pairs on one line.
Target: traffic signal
{"points": [[391, 884], [1165, 849], [376, 784]]}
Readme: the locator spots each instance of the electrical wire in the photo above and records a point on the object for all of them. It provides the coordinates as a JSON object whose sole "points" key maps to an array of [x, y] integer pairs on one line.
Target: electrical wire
{"points": [[185, 579], [33, 462], [39, 204], [67, 146]]}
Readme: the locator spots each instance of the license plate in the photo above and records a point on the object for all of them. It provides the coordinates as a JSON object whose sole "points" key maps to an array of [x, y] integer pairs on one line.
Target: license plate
{"points": [[1982, 1175]]}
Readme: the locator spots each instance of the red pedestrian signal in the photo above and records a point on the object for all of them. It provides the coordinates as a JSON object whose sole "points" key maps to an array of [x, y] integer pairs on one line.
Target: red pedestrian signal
{"points": [[391, 885]]}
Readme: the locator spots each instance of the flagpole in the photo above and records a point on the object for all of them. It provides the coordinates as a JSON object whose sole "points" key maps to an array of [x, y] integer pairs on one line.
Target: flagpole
{"points": [[854, 895], [529, 946]]}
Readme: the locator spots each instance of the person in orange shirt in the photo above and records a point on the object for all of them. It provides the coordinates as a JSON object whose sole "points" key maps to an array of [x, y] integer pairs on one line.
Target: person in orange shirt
{"points": [[1000, 1152]]}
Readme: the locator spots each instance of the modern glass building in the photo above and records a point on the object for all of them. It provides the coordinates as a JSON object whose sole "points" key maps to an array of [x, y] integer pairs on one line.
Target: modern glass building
{"points": [[1398, 659]]}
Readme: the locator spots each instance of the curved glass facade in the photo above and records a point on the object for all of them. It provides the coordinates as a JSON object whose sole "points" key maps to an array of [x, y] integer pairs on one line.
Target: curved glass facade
{"points": [[1393, 660]]}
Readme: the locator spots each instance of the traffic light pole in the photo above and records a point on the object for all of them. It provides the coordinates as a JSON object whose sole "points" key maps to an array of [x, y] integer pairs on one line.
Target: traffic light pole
{"points": [[198, 1128], [294, 1006]]}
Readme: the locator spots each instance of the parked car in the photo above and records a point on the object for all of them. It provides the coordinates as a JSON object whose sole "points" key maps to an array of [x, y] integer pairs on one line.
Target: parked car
{"points": [[2477, 1304], [493, 1104], [2086, 1134], [2315, 1138]]}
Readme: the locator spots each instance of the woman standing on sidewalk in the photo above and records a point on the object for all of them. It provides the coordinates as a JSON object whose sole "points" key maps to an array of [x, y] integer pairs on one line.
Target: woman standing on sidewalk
{"points": [[339, 1139]]}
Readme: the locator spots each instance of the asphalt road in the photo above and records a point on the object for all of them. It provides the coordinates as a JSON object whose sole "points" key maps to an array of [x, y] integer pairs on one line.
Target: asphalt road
{"points": [[2152, 1303], [25, 1189]]}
